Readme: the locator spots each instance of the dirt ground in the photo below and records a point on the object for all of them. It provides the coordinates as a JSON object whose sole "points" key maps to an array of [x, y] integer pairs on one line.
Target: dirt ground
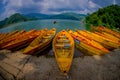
{"points": [[17, 66]]}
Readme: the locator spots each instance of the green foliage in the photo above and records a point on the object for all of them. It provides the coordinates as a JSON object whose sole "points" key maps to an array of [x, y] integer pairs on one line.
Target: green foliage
{"points": [[108, 16]]}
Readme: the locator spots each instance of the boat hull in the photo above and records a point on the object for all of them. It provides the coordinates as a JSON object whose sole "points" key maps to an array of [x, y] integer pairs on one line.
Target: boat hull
{"points": [[88, 46], [63, 47], [102, 40], [41, 42], [21, 40]]}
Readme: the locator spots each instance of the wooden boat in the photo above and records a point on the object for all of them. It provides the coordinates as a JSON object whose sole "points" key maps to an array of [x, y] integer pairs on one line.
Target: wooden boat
{"points": [[104, 29], [102, 40], [41, 42], [17, 34], [9, 35], [12, 38], [108, 36], [87, 46], [23, 40], [3, 36], [63, 47]]}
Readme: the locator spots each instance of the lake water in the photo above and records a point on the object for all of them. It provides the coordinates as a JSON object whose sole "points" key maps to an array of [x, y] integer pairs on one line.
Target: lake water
{"points": [[40, 24]]}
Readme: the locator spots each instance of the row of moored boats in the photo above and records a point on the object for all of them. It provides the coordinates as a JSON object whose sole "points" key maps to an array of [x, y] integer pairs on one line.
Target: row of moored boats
{"points": [[98, 42]]}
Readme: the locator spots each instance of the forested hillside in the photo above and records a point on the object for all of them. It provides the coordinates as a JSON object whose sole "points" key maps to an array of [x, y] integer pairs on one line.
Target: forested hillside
{"points": [[15, 18], [108, 16]]}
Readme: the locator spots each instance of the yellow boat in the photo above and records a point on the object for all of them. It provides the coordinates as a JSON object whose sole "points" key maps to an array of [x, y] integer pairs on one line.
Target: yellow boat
{"points": [[108, 36], [63, 47], [107, 43], [41, 42], [104, 29], [87, 46], [22, 40]]}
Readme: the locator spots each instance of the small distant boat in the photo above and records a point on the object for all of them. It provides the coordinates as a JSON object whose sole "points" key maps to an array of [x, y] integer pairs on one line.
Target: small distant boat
{"points": [[54, 22], [63, 47], [41, 42], [87, 45], [22, 40]]}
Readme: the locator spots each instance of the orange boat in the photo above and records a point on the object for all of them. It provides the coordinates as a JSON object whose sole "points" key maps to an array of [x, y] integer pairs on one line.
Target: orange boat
{"points": [[12, 38], [23, 40], [2, 36], [9, 35]]}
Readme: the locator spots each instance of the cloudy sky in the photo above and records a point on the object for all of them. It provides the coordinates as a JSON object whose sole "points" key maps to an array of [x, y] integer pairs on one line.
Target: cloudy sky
{"points": [[8, 7]]}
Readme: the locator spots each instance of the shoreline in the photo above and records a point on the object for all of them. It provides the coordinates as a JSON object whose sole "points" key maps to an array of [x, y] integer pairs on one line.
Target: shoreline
{"points": [[17, 66]]}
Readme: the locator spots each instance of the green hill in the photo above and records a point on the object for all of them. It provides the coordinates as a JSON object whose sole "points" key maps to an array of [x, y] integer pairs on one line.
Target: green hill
{"points": [[108, 16], [75, 15], [15, 18], [70, 16]]}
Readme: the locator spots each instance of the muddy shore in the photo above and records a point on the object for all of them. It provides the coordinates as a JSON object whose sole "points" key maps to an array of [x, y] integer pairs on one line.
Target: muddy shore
{"points": [[17, 66]]}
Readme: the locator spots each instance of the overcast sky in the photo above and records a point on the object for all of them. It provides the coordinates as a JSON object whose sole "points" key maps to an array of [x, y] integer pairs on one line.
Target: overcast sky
{"points": [[8, 7]]}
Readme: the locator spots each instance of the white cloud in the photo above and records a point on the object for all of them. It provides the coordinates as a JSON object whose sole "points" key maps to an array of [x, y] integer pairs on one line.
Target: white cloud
{"points": [[14, 6], [83, 7], [56, 5], [11, 7], [85, 11], [48, 6], [15, 3], [4, 1], [7, 13], [93, 5]]}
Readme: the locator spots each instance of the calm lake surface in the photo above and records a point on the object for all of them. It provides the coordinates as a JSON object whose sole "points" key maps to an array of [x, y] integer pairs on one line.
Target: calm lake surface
{"points": [[40, 24]]}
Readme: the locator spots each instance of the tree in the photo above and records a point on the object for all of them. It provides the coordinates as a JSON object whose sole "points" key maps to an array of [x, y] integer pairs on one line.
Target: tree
{"points": [[108, 16]]}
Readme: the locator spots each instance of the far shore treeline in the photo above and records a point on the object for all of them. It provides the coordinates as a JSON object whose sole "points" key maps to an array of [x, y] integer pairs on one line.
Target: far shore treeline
{"points": [[108, 17]]}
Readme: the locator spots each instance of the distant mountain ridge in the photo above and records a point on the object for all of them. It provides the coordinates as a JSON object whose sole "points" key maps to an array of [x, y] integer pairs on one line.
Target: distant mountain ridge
{"points": [[71, 16], [36, 15], [15, 18]]}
